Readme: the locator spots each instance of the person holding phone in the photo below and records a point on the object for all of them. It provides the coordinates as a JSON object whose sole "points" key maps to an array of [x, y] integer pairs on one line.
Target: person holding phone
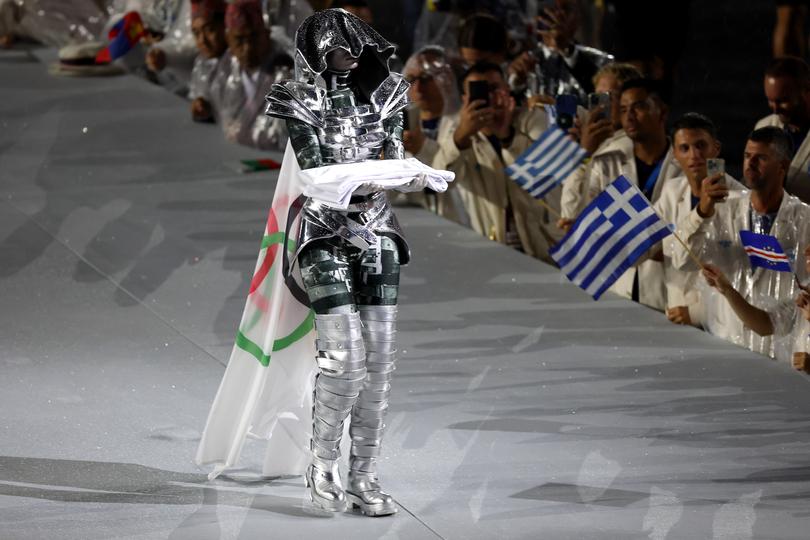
{"points": [[601, 132], [696, 148], [712, 232], [489, 133], [644, 157]]}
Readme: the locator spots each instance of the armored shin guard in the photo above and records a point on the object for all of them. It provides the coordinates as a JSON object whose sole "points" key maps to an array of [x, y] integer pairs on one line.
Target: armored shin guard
{"points": [[341, 361], [368, 413]]}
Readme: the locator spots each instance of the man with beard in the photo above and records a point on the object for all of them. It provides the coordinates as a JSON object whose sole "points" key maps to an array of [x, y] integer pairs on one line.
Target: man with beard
{"points": [[787, 88], [712, 232]]}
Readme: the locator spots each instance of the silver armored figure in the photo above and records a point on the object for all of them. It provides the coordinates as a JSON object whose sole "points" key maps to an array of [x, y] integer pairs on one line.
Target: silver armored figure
{"points": [[345, 107]]}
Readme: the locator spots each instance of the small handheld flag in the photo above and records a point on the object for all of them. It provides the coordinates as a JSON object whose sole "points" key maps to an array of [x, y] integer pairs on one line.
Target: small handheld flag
{"points": [[608, 237], [546, 163], [256, 165], [764, 251], [123, 36]]}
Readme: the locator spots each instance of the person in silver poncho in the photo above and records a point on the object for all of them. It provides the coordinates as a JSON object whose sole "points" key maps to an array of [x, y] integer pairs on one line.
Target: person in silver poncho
{"points": [[345, 107]]}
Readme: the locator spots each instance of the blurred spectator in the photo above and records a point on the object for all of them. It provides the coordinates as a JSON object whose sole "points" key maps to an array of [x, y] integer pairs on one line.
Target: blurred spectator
{"points": [[434, 96], [441, 20], [712, 232], [165, 55], [694, 141], [283, 17], [559, 65], [208, 28], [597, 136], [171, 58], [252, 64], [51, 22], [787, 88], [434, 92], [482, 38], [484, 138], [789, 37]]}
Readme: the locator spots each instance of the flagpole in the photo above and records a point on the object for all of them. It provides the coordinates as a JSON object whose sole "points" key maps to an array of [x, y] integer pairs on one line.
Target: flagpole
{"points": [[548, 207], [689, 251]]}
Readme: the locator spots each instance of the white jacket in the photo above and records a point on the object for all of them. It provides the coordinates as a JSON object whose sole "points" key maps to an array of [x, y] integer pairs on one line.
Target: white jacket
{"points": [[683, 287], [617, 158], [716, 240], [574, 194], [798, 177], [486, 191]]}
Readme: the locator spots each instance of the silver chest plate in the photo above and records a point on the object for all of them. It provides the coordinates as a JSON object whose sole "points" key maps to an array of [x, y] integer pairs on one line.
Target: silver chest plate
{"points": [[351, 134]]}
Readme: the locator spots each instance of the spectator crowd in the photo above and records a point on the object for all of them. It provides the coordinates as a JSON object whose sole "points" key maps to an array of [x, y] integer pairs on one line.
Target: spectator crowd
{"points": [[224, 56]]}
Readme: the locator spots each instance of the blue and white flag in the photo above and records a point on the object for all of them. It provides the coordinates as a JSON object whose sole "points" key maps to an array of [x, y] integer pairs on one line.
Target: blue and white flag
{"points": [[546, 163], [608, 237], [765, 251]]}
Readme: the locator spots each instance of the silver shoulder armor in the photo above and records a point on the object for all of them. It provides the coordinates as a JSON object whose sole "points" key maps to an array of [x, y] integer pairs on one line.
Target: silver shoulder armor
{"points": [[296, 100], [391, 96]]}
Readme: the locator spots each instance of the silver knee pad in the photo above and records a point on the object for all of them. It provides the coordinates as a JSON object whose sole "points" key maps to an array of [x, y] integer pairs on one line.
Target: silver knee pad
{"points": [[339, 343], [368, 414], [341, 362]]}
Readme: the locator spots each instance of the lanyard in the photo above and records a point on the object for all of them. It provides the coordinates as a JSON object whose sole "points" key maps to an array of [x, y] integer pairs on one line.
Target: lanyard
{"points": [[649, 185]]}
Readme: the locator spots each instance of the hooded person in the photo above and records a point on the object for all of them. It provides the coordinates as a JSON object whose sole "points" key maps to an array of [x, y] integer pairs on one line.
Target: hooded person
{"points": [[250, 67], [208, 29], [336, 267]]}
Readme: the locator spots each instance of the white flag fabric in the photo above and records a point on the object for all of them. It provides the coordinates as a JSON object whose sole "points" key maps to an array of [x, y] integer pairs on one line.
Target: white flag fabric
{"points": [[547, 162], [608, 237], [266, 392], [334, 184]]}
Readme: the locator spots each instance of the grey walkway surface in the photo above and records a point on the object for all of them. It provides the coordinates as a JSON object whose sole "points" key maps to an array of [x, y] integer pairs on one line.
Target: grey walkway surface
{"points": [[521, 408]]}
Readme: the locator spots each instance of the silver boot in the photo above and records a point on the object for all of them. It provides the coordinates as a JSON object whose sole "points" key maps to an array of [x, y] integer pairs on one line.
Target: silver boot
{"points": [[341, 362], [368, 414]]}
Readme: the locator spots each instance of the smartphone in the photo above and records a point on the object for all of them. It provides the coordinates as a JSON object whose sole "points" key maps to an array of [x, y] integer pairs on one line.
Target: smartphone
{"points": [[716, 166], [479, 90], [600, 99], [566, 108]]}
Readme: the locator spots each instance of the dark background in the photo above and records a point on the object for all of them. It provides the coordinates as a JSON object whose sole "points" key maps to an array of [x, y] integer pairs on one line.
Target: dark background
{"points": [[724, 49]]}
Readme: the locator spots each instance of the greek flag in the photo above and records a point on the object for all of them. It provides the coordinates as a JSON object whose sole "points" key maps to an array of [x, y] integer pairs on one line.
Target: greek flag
{"points": [[546, 163], [608, 237], [765, 251]]}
